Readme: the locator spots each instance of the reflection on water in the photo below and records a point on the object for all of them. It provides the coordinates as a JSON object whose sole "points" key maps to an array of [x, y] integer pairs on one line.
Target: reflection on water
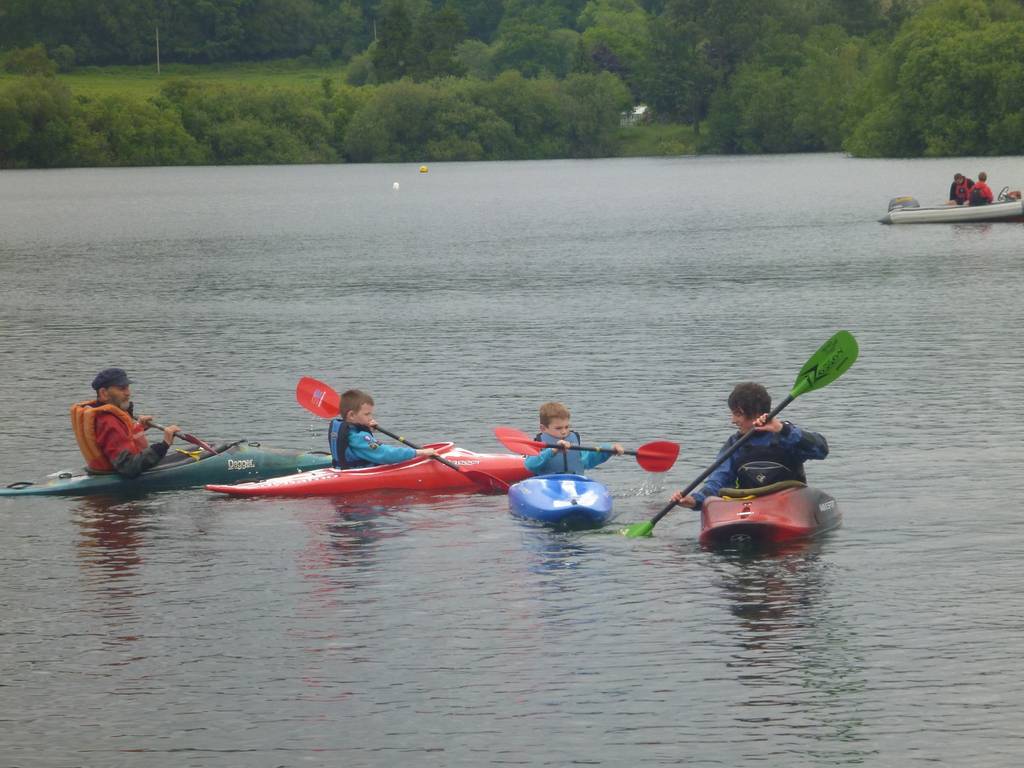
{"points": [[794, 651], [111, 535], [112, 538], [551, 550]]}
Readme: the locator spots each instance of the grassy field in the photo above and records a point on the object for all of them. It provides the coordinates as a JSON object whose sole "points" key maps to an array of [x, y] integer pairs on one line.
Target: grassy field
{"points": [[656, 139], [143, 81]]}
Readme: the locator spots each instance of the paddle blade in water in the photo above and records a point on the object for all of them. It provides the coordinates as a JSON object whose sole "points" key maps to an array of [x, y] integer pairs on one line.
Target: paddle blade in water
{"points": [[489, 483], [516, 441], [316, 397], [636, 530], [827, 364], [658, 456]]}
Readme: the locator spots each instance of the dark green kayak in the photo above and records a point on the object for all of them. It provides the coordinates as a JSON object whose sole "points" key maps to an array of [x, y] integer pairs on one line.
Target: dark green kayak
{"points": [[233, 463]]}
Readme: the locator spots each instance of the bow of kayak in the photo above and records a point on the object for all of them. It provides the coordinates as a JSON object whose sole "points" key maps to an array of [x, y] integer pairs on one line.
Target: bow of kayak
{"points": [[242, 460], [777, 514], [419, 474], [562, 501]]}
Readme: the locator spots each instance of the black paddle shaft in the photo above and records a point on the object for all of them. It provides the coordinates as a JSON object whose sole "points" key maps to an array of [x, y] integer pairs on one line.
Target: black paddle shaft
{"points": [[595, 449], [718, 462], [415, 447]]}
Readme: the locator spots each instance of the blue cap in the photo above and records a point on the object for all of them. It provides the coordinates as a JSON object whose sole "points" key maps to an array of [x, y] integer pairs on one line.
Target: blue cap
{"points": [[111, 377]]}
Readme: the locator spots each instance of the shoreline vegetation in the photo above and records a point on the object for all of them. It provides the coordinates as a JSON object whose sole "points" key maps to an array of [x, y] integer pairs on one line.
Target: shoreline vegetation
{"points": [[449, 80]]}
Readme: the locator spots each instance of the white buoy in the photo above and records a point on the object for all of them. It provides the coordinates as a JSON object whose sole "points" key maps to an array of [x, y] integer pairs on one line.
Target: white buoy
{"points": [[395, 186]]}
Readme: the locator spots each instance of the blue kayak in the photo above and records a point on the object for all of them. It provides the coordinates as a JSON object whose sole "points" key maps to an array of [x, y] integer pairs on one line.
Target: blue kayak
{"points": [[563, 501]]}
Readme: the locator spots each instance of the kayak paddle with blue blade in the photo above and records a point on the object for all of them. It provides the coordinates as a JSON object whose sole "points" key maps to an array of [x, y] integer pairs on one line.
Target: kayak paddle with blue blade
{"points": [[825, 366]]}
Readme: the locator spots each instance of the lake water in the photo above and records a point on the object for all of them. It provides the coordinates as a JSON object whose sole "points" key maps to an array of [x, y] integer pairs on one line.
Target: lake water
{"points": [[184, 629]]}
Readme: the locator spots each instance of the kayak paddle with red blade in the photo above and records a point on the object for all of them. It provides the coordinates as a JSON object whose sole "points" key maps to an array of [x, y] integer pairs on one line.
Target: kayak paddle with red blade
{"points": [[658, 456], [189, 439], [320, 399]]}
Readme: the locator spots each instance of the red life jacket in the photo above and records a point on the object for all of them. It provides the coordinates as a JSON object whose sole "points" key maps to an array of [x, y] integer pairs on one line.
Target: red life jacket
{"points": [[981, 194], [962, 191]]}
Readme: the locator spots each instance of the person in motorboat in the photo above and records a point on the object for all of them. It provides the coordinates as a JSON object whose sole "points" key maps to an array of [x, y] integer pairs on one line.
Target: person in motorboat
{"points": [[109, 436], [960, 189], [981, 194], [351, 437], [776, 453], [556, 431]]}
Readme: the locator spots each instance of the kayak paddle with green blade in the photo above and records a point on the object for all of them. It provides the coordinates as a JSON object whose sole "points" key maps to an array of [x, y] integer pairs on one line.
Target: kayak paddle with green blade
{"points": [[825, 366]]}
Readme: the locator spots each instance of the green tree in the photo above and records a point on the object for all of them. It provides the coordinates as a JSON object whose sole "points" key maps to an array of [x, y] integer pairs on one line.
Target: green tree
{"points": [[550, 14], [390, 53], [481, 16], [476, 58], [617, 38], [534, 110], [680, 79], [593, 104], [34, 123], [948, 85], [393, 125], [64, 57], [432, 50], [795, 97], [120, 130], [30, 61], [533, 49]]}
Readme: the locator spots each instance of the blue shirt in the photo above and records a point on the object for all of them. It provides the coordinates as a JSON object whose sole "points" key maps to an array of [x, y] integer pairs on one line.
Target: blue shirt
{"points": [[364, 446], [551, 461], [797, 445]]}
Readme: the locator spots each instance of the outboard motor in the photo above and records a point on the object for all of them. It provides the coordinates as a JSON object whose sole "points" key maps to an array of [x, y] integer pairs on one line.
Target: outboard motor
{"points": [[903, 202]]}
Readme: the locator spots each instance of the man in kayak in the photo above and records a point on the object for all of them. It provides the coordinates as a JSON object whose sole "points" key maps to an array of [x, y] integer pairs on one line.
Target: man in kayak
{"points": [[980, 192], [555, 430], [776, 453], [351, 437], [110, 438], [960, 189]]}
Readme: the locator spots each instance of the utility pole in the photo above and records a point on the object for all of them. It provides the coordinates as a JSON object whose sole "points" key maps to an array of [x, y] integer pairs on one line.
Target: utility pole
{"points": [[158, 49]]}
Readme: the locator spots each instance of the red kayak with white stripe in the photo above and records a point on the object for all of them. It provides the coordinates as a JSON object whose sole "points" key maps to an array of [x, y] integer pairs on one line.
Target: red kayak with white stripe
{"points": [[419, 474], [777, 514]]}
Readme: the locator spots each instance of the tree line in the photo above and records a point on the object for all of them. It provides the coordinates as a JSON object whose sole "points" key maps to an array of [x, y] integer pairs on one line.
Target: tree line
{"points": [[509, 118], [427, 79]]}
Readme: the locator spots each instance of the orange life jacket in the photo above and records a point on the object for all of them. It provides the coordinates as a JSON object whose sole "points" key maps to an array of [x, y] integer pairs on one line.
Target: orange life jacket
{"points": [[83, 421]]}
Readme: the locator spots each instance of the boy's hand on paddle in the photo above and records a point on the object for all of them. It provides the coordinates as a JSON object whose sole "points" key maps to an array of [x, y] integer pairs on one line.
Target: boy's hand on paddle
{"points": [[619, 450], [683, 501], [426, 452], [761, 424]]}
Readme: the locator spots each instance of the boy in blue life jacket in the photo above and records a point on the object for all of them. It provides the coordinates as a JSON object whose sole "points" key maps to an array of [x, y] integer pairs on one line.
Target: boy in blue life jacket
{"points": [[352, 441], [775, 453], [559, 459]]}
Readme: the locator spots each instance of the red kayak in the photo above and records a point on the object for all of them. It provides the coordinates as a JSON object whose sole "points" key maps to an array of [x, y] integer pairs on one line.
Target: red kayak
{"points": [[776, 514], [420, 474]]}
